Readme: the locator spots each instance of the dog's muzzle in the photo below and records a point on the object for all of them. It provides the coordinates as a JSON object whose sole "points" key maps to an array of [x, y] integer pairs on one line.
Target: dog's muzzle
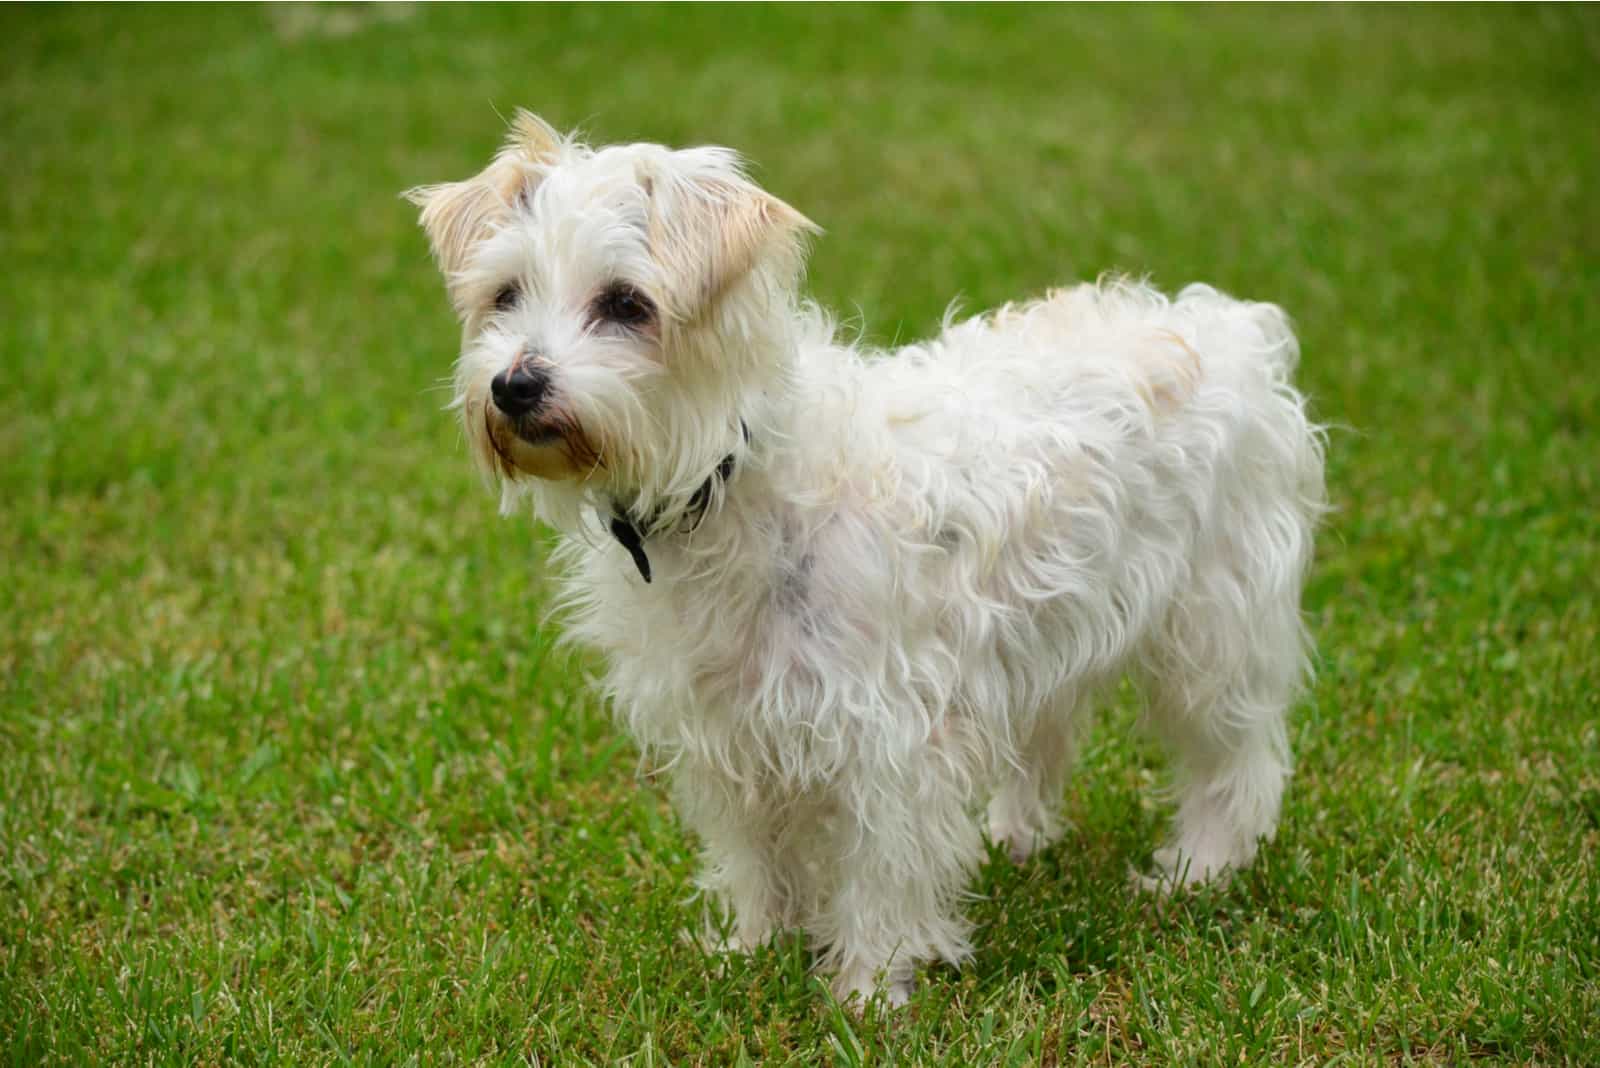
{"points": [[523, 422]]}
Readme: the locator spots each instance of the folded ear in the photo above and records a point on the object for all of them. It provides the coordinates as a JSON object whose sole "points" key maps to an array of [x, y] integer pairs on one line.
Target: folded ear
{"points": [[456, 215], [710, 226]]}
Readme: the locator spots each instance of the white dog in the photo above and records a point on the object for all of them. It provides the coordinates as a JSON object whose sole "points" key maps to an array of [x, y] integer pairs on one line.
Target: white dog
{"points": [[843, 599]]}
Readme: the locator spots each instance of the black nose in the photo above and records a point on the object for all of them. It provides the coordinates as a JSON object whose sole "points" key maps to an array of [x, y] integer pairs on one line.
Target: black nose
{"points": [[518, 390]]}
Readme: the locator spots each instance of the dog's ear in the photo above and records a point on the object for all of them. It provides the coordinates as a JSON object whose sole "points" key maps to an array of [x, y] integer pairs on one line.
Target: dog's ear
{"points": [[456, 215], [709, 226]]}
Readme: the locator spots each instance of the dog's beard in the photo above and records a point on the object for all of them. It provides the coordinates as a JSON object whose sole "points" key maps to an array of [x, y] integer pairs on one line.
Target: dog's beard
{"points": [[552, 446]]}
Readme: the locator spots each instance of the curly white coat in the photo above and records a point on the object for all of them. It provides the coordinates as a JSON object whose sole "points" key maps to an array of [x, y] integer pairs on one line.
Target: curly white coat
{"points": [[923, 565]]}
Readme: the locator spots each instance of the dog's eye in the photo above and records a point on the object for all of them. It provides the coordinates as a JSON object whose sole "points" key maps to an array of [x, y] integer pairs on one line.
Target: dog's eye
{"points": [[624, 305], [506, 299]]}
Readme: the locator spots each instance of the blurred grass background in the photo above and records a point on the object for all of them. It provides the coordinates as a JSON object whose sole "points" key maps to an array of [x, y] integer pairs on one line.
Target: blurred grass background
{"points": [[288, 770]]}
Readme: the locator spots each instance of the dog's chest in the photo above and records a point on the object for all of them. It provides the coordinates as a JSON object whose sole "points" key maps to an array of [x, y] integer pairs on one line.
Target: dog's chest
{"points": [[764, 647], [756, 630]]}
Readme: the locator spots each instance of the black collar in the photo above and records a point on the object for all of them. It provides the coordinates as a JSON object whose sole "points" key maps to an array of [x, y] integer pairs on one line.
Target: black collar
{"points": [[630, 531]]}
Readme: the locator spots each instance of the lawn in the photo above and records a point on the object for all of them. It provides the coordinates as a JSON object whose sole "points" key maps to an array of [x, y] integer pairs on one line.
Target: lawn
{"points": [[290, 771]]}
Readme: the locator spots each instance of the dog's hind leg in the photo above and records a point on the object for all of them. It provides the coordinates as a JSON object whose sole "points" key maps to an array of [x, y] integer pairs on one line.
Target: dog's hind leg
{"points": [[1025, 813], [1225, 667]]}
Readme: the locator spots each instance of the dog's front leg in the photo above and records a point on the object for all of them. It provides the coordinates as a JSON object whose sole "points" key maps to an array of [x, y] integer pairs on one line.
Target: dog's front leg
{"points": [[741, 871], [906, 850]]}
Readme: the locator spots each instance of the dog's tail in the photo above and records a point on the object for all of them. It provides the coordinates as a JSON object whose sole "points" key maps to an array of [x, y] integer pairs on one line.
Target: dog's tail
{"points": [[1255, 345], [1270, 334]]}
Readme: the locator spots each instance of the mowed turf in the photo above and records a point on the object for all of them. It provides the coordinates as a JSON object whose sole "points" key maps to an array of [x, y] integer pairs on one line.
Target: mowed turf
{"points": [[289, 770]]}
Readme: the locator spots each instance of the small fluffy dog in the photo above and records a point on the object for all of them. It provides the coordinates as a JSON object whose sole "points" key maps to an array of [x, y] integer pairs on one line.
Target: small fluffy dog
{"points": [[844, 599]]}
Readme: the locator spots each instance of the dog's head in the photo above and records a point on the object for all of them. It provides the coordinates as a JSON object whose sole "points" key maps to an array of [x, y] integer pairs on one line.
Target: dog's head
{"points": [[618, 307]]}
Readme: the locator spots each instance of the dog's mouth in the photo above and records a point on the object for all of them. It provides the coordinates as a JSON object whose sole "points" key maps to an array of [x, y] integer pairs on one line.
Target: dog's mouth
{"points": [[536, 433], [548, 445]]}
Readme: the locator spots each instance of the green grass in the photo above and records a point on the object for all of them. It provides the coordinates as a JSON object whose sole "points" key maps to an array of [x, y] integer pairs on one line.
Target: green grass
{"points": [[288, 769]]}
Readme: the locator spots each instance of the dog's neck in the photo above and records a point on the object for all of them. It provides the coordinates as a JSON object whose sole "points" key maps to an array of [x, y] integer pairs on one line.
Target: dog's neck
{"points": [[631, 530], [765, 403]]}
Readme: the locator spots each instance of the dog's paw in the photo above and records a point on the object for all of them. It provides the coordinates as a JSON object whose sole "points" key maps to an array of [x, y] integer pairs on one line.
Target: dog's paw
{"points": [[714, 943], [1019, 838], [1177, 869], [855, 987], [1019, 843]]}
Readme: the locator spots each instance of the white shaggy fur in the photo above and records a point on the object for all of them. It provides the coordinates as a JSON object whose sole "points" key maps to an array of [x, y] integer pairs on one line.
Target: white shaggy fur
{"points": [[923, 565]]}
